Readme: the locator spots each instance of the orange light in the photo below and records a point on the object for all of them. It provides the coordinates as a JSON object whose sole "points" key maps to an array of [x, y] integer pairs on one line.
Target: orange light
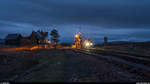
{"points": [[76, 36], [34, 47], [73, 46]]}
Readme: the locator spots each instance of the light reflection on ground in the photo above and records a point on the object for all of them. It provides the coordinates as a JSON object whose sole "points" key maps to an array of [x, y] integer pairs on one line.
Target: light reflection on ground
{"points": [[34, 48]]}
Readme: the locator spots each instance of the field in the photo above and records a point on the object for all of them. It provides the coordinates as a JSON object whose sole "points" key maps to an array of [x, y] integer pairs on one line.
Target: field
{"points": [[13, 63], [67, 65], [21, 61]]}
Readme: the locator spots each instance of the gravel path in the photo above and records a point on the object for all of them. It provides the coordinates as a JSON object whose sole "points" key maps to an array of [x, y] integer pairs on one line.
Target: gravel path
{"points": [[85, 68]]}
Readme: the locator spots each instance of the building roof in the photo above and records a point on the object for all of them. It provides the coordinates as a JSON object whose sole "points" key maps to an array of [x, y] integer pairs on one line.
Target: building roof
{"points": [[40, 35], [12, 36]]}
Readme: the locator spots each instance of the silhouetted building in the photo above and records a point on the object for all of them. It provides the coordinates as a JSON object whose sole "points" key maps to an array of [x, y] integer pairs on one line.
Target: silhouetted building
{"points": [[39, 37], [105, 40], [26, 41], [13, 39]]}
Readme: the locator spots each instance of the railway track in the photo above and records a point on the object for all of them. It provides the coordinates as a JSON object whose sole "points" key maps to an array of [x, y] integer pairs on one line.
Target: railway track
{"points": [[124, 53], [127, 57], [135, 63]]}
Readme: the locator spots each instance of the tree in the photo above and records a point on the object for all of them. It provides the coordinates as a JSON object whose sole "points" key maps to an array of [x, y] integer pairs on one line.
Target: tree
{"points": [[54, 36]]}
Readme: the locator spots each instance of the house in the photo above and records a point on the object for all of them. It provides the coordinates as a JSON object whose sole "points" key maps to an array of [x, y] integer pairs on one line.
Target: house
{"points": [[26, 41], [39, 37], [13, 39]]}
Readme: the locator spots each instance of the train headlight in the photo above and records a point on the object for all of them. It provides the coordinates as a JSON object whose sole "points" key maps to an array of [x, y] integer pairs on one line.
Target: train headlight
{"points": [[87, 44]]}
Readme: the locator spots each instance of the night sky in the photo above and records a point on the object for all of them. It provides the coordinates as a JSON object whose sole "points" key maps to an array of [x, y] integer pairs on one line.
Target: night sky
{"points": [[125, 20]]}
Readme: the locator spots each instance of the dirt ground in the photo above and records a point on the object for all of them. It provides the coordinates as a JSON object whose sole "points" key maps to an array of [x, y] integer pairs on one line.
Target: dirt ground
{"points": [[68, 66], [85, 68], [12, 63]]}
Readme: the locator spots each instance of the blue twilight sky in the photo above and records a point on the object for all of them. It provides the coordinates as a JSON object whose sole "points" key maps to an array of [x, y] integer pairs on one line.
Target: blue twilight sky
{"points": [[127, 20]]}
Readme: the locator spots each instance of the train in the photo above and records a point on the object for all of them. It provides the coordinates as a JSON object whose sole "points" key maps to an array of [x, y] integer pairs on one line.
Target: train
{"points": [[79, 43]]}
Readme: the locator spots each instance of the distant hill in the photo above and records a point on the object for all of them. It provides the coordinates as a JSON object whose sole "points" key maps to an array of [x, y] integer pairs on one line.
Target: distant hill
{"points": [[122, 42], [125, 42]]}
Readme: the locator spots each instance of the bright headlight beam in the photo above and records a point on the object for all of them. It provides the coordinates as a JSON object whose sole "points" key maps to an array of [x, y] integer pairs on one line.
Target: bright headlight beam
{"points": [[87, 44]]}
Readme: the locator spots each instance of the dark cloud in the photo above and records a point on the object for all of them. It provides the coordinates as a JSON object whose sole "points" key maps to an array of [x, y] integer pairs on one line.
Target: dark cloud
{"points": [[106, 16], [105, 13]]}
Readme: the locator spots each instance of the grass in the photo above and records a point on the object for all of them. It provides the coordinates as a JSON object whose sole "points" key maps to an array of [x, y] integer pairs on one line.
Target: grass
{"points": [[54, 70], [17, 62]]}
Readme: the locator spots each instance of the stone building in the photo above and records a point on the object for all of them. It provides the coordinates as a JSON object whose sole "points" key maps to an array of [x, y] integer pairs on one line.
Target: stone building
{"points": [[13, 39]]}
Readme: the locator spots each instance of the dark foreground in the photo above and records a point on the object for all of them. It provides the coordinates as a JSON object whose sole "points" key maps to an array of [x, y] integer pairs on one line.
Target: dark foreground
{"points": [[70, 66]]}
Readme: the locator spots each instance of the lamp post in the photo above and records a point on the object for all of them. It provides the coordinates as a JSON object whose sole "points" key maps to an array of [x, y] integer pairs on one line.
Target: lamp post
{"points": [[78, 40]]}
